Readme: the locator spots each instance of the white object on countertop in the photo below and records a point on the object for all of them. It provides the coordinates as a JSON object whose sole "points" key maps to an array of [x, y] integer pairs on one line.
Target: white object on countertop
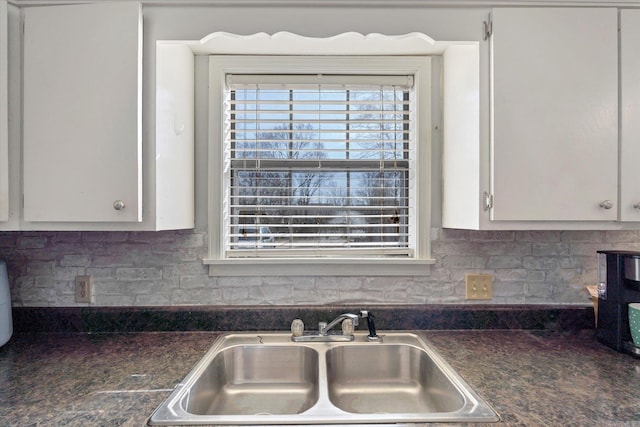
{"points": [[6, 324]]}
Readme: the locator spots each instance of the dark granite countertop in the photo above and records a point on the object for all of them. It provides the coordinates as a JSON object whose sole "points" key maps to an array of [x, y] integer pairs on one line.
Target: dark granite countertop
{"points": [[531, 377]]}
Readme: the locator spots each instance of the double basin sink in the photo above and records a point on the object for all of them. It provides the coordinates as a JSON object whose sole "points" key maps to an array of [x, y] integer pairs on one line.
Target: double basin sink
{"points": [[266, 378]]}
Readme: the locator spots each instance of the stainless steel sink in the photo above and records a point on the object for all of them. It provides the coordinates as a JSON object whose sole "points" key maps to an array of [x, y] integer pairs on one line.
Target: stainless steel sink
{"points": [[264, 378], [393, 379], [256, 380]]}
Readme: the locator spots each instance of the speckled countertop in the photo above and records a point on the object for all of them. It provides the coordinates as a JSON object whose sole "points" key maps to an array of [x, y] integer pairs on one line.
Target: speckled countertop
{"points": [[531, 378]]}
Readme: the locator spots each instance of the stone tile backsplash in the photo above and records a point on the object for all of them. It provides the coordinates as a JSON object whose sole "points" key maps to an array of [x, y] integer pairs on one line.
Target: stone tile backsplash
{"points": [[165, 268]]}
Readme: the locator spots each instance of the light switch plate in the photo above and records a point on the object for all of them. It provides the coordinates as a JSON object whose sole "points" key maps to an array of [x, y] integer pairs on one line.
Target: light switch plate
{"points": [[479, 286]]}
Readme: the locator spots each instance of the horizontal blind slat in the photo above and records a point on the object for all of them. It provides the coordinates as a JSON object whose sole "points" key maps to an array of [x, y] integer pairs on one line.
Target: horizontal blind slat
{"points": [[294, 81]]}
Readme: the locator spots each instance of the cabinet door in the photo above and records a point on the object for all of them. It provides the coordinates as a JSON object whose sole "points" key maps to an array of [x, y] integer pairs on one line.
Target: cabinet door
{"points": [[82, 112], [555, 109], [630, 114]]}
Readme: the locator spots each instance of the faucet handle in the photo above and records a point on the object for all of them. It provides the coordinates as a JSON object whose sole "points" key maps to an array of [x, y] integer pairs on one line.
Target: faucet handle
{"points": [[297, 328], [348, 327]]}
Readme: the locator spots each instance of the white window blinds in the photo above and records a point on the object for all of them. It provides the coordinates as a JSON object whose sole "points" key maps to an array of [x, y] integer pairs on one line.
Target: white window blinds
{"points": [[319, 165]]}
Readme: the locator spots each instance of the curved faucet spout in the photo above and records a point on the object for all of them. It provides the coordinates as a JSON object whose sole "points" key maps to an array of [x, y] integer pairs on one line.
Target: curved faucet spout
{"points": [[325, 329]]}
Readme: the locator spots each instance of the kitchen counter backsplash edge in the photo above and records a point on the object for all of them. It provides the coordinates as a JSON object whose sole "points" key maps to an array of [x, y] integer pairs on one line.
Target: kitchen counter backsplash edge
{"points": [[278, 318]]}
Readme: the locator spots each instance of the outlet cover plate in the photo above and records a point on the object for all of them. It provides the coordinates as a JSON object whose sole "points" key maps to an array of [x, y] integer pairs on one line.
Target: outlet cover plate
{"points": [[479, 286], [84, 285]]}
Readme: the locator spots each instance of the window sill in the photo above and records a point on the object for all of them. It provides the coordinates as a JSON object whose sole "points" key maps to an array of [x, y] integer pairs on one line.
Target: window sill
{"points": [[318, 267]]}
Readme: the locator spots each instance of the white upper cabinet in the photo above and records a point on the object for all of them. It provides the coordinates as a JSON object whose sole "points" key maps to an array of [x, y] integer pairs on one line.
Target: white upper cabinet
{"points": [[554, 153], [630, 115], [82, 139], [86, 165], [549, 156]]}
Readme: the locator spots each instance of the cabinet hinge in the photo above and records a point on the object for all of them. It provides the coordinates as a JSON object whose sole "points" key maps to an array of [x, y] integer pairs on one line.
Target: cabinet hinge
{"points": [[487, 28], [488, 201]]}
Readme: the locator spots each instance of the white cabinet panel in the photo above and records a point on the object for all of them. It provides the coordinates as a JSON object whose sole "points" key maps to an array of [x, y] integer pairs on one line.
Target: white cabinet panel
{"points": [[174, 160], [4, 122], [630, 115], [461, 131], [82, 113], [555, 109]]}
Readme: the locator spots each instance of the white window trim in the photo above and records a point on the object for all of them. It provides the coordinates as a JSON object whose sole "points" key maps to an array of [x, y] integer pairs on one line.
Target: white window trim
{"points": [[219, 66]]}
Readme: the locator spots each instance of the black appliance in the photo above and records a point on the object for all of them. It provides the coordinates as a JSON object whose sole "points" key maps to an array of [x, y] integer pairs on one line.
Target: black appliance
{"points": [[618, 285]]}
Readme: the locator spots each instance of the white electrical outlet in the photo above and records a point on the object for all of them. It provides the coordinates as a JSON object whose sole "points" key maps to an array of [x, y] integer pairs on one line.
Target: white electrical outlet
{"points": [[83, 289]]}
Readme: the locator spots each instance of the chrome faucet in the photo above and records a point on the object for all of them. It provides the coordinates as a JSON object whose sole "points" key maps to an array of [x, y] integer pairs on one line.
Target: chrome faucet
{"points": [[323, 335], [324, 328], [298, 333]]}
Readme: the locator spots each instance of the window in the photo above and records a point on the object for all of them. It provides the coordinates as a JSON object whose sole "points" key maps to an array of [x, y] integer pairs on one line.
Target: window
{"points": [[319, 167], [319, 160]]}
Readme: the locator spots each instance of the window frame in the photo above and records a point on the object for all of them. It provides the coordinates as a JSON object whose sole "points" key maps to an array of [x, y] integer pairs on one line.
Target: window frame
{"points": [[418, 66]]}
